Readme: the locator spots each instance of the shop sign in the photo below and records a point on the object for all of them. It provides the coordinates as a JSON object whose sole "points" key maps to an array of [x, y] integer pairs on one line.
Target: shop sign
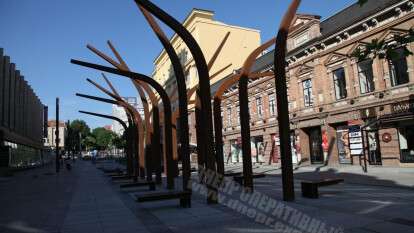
{"points": [[355, 140], [403, 107], [386, 137]]}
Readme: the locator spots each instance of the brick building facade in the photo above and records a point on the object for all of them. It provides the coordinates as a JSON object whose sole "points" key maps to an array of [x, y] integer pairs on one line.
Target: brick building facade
{"points": [[341, 110]]}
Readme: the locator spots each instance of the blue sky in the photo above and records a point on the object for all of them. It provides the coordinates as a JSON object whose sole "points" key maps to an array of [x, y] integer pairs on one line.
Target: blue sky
{"points": [[42, 36]]}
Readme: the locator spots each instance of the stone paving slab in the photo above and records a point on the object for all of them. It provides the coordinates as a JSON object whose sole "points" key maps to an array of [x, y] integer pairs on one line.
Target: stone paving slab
{"points": [[86, 200], [96, 207]]}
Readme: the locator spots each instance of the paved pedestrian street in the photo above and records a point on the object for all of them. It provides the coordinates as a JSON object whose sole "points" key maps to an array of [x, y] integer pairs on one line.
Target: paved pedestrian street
{"points": [[86, 200]]}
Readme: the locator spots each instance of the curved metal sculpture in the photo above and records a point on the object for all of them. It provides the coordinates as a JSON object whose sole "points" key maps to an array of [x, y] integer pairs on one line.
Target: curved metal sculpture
{"points": [[206, 132], [128, 135], [145, 159], [182, 90], [282, 102], [218, 121], [244, 113], [166, 106], [155, 137], [134, 134], [137, 119]]}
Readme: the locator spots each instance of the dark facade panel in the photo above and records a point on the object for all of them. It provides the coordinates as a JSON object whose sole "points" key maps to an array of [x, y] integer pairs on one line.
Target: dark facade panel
{"points": [[45, 120], [25, 112], [11, 95], [14, 102], [1, 85], [6, 92], [19, 112]]}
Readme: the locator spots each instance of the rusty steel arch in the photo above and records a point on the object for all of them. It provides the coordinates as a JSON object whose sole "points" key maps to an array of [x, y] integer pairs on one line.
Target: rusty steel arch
{"points": [[218, 121], [137, 119], [135, 135], [282, 101], [155, 137], [126, 128], [182, 89], [206, 145], [244, 112], [166, 106]]}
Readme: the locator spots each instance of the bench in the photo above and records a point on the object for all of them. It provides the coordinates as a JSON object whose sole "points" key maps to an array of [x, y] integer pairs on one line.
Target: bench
{"points": [[113, 170], [184, 196], [139, 184], [233, 174], [239, 179], [310, 188], [122, 177]]}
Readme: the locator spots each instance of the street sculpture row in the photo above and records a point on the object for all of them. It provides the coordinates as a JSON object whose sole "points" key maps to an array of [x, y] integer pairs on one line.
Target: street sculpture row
{"points": [[146, 151]]}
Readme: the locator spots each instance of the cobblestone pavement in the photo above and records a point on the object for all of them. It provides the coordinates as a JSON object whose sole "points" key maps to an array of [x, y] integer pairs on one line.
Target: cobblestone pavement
{"points": [[86, 200]]}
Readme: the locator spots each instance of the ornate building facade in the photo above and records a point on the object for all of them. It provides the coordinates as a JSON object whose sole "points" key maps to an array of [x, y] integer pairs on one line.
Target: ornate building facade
{"points": [[342, 110]]}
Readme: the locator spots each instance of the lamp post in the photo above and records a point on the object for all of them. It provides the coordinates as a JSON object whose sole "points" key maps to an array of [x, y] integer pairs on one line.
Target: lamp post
{"points": [[57, 140]]}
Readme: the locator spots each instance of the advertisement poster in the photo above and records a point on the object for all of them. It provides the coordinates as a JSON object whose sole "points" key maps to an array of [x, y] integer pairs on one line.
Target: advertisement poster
{"points": [[342, 136]]}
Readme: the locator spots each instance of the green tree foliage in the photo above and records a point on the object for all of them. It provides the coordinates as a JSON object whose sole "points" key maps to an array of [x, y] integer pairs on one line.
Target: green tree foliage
{"points": [[77, 131], [119, 142], [104, 139]]}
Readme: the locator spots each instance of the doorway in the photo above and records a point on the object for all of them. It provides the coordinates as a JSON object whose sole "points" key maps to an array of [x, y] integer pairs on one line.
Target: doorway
{"points": [[315, 143], [374, 152]]}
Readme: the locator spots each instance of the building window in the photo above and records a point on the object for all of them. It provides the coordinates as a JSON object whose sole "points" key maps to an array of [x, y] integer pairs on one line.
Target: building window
{"points": [[307, 92], [259, 107], [250, 108], [366, 77], [272, 104], [398, 68], [229, 116], [238, 115], [340, 83], [187, 78], [301, 39]]}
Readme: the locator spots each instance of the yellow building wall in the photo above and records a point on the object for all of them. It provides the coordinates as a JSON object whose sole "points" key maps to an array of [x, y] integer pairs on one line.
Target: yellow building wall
{"points": [[209, 34]]}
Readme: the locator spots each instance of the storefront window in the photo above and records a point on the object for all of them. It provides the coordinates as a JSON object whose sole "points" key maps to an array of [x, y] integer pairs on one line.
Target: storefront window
{"points": [[236, 151], [340, 83], [406, 137], [366, 77], [398, 68]]}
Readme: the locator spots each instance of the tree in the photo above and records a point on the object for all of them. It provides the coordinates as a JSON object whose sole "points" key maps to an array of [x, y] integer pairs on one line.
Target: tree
{"points": [[77, 131], [104, 138], [119, 142]]}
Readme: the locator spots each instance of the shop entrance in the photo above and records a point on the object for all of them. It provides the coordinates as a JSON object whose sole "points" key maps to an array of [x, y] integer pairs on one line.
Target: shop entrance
{"points": [[406, 141], [257, 147], [374, 152], [315, 143]]}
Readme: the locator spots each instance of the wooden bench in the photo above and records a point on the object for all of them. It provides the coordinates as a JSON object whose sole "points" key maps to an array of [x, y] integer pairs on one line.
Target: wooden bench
{"points": [[310, 188], [150, 184], [239, 179], [184, 196]]}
